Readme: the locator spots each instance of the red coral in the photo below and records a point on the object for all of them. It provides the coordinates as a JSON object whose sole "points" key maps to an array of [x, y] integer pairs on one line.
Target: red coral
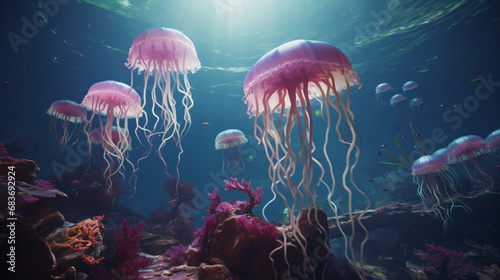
{"points": [[444, 262], [127, 249], [255, 196]]}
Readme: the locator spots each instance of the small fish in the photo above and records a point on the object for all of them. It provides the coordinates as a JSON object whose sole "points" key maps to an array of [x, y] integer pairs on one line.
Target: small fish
{"points": [[371, 181], [206, 123], [442, 105], [378, 153], [384, 189], [340, 201], [384, 145], [76, 182], [417, 134], [385, 182], [476, 80], [404, 136], [7, 82]]}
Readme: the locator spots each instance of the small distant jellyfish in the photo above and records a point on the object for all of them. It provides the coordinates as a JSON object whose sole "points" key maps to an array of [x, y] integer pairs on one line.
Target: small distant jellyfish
{"points": [[435, 186], [66, 111], [381, 93], [230, 141], [416, 104], [398, 104], [409, 86]]}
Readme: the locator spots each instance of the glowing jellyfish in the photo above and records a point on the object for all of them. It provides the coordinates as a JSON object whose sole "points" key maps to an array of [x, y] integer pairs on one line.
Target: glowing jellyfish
{"points": [[292, 74], [96, 137], [66, 111], [398, 104], [381, 93], [227, 141], [435, 186], [113, 101], [465, 152], [168, 56], [409, 86]]}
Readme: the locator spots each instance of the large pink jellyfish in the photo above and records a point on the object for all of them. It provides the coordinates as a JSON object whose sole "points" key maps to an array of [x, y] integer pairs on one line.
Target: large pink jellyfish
{"points": [[115, 101], [467, 152], [67, 112], [435, 186], [226, 141], [167, 55], [286, 77]]}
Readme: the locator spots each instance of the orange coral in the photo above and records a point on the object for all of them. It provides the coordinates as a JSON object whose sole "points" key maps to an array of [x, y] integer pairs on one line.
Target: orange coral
{"points": [[83, 236]]}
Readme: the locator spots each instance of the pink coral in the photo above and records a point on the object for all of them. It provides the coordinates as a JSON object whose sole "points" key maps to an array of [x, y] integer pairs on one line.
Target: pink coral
{"points": [[444, 262], [46, 184], [127, 249], [255, 196], [176, 255], [263, 231]]}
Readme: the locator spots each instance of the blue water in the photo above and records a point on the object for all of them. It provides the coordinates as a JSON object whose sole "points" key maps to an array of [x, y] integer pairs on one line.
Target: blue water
{"points": [[442, 45]]}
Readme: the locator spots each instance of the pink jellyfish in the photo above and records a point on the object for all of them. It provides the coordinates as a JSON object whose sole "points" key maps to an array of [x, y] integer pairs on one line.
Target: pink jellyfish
{"points": [[435, 186], [409, 86], [381, 93], [168, 55], [114, 101], [226, 141], [398, 104], [465, 152], [291, 74], [492, 143], [67, 112], [95, 137]]}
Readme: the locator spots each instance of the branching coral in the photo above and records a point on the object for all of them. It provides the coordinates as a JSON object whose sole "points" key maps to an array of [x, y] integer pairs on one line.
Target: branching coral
{"points": [[255, 196], [445, 263], [263, 231], [83, 238], [127, 249]]}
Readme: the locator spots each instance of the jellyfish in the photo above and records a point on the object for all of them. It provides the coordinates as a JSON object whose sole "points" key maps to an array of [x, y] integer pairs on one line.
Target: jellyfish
{"points": [[416, 104], [292, 74], [112, 101], [227, 141], [381, 93], [492, 143], [466, 153], [442, 154], [67, 112], [167, 55], [436, 185], [398, 104], [409, 86]]}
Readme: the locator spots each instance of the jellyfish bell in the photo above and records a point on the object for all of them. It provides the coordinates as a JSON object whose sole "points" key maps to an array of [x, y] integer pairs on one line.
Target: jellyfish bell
{"points": [[286, 79], [168, 55], [442, 154], [382, 94], [230, 142], [492, 142], [409, 86], [66, 111], [416, 102]]}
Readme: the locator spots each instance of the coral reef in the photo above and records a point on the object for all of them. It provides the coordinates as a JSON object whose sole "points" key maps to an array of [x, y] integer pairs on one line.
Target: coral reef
{"points": [[445, 263]]}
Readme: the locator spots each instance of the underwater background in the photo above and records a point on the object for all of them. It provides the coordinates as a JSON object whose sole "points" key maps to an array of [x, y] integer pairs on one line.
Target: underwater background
{"points": [[450, 48]]}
